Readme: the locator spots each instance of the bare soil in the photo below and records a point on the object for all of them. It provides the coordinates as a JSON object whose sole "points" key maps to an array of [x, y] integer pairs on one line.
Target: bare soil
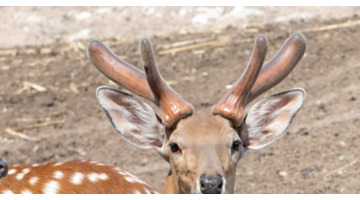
{"points": [[63, 120]]}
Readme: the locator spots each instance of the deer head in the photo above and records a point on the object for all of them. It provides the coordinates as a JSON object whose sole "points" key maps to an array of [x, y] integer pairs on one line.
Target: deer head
{"points": [[202, 150]]}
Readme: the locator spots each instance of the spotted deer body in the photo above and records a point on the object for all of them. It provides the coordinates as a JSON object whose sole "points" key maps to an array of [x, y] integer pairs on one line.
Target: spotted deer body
{"points": [[72, 177], [202, 150]]}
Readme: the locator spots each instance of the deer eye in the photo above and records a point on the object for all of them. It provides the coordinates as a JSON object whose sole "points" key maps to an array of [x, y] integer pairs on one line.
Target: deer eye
{"points": [[174, 148], [236, 145]]}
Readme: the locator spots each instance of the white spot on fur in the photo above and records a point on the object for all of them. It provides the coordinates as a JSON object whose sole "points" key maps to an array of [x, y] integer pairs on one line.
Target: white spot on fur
{"points": [[26, 192], [8, 192], [147, 191], [100, 164], [51, 187], [137, 192], [122, 173], [35, 165], [132, 178], [77, 178], [103, 176], [33, 180], [93, 162], [58, 175], [20, 176], [12, 171], [59, 163], [92, 177], [129, 179], [26, 170]]}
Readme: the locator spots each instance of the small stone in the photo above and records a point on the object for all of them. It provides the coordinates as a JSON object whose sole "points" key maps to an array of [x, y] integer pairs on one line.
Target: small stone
{"points": [[342, 143], [228, 87], [283, 173]]}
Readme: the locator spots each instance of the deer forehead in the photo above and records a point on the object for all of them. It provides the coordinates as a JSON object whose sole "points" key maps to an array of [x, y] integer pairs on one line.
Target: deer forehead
{"points": [[204, 131]]}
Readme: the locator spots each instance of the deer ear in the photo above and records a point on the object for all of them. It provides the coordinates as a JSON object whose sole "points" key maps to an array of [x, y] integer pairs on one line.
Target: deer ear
{"points": [[135, 120], [268, 119]]}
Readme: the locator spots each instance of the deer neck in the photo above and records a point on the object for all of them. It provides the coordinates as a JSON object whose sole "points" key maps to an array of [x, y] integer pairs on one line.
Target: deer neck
{"points": [[170, 186]]}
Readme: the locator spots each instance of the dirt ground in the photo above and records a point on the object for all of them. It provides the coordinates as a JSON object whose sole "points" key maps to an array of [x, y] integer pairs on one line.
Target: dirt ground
{"points": [[48, 94]]}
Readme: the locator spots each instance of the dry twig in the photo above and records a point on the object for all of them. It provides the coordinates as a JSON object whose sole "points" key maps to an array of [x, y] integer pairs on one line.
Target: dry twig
{"points": [[17, 131], [18, 134], [340, 169], [27, 86], [331, 27], [39, 125], [195, 44]]}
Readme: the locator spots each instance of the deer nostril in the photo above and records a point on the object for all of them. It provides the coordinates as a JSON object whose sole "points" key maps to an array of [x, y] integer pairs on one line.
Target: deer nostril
{"points": [[211, 185], [220, 184], [3, 168]]}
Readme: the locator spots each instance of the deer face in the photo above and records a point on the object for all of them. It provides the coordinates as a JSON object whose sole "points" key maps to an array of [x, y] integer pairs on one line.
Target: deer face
{"points": [[202, 150]]}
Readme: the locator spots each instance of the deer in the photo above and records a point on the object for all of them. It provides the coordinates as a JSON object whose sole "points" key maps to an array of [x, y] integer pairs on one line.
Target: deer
{"points": [[202, 149], [71, 177], [3, 168]]}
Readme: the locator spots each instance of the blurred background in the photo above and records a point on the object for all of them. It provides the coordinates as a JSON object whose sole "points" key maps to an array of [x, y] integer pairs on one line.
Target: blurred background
{"points": [[49, 111]]}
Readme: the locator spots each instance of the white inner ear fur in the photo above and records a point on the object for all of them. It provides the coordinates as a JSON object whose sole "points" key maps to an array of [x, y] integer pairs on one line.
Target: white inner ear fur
{"points": [[135, 120], [268, 119]]}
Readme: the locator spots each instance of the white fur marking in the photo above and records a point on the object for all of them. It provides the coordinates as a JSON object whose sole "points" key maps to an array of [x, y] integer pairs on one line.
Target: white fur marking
{"points": [[33, 180], [35, 165], [58, 175], [122, 173], [8, 192], [26, 192], [129, 179], [59, 163], [103, 176], [26, 170], [137, 192], [51, 187], [92, 177], [20, 176], [77, 178], [12, 171]]}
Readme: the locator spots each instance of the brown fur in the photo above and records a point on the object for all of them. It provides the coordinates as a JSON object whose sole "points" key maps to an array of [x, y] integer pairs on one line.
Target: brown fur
{"points": [[115, 184]]}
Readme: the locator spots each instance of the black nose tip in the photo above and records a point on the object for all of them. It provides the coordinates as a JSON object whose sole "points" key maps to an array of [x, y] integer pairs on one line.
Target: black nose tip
{"points": [[3, 168], [211, 185]]}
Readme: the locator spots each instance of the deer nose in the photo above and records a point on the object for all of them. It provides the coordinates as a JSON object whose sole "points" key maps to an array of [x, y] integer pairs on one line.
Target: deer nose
{"points": [[3, 168], [211, 185]]}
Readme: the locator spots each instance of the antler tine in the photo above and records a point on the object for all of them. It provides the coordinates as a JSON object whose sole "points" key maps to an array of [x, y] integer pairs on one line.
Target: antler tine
{"points": [[172, 105], [274, 71], [233, 103], [118, 70]]}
